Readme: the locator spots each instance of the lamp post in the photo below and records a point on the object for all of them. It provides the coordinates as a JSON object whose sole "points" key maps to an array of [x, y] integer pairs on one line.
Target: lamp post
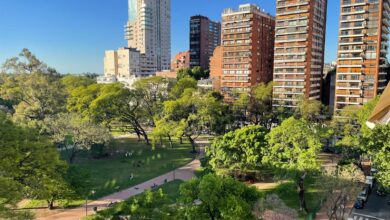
{"points": [[86, 202]]}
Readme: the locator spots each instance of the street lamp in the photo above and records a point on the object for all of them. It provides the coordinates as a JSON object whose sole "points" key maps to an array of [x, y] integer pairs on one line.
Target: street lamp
{"points": [[86, 202]]}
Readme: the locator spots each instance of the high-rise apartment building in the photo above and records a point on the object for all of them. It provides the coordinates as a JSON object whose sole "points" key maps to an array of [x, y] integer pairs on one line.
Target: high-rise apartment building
{"points": [[149, 31], [205, 36], [299, 50], [362, 50], [248, 47]]}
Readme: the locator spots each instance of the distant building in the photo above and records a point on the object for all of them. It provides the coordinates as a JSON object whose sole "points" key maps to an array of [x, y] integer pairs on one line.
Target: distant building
{"points": [[122, 65], [329, 85], [299, 51], [148, 32], [167, 74], [205, 36], [205, 84], [381, 113], [181, 61], [362, 50], [216, 68], [248, 48]]}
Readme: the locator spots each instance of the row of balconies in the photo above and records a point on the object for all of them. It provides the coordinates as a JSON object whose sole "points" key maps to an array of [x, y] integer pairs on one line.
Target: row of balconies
{"points": [[349, 3], [291, 4]]}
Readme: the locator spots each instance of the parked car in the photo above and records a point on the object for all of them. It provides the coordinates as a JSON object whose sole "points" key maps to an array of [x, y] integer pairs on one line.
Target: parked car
{"points": [[380, 191], [359, 204], [367, 189], [370, 181], [363, 196]]}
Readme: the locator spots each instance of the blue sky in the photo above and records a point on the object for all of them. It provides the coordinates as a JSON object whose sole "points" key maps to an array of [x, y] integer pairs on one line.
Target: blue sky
{"points": [[72, 35]]}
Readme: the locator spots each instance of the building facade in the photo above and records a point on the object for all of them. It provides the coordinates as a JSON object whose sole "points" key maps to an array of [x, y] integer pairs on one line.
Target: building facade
{"points": [[149, 31], [205, 36], [180, 61], [299, 51], [362, 50], [216, 68], [248, 48]]}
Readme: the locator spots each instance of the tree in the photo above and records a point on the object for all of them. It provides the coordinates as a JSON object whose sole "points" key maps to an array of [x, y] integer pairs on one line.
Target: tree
{"points": [[74, 134], [199, 73], [194, 114], [152, 91], [34, 96], [183, 73], [350, 126], [238, 151], [214, 197], [148, 205], [26, 63], [293, 147], [181, 85], [340, 186], [377, 144], [72, 82], [256, 106], [126, 107], [29, 165], [310, 110]]}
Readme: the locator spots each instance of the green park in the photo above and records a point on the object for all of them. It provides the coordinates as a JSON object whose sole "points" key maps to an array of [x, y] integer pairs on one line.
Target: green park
{"points": [[66, 140]]}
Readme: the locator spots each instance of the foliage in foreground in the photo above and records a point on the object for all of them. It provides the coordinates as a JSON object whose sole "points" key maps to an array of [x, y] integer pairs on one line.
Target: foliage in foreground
{"points": [[210, 197]]}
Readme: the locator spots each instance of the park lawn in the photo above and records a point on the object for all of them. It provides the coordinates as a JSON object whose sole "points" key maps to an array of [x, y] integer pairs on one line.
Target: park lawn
{"points": [[288, 192], [112, 174]]}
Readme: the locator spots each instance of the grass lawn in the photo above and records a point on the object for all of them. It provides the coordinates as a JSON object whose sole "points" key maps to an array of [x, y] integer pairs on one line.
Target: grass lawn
{"points": [[112, 174], [288, 192]]}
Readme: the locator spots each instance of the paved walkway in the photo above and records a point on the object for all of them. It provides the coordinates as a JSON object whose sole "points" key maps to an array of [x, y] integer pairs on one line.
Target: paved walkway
{"points": [[184, 173]]}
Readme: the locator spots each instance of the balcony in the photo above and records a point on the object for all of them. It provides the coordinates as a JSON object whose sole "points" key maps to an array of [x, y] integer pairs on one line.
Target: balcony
{"points": [[299, 3]]}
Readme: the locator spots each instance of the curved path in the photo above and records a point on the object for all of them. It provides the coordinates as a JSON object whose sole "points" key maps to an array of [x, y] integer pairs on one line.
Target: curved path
{"points": [[184, 173]]}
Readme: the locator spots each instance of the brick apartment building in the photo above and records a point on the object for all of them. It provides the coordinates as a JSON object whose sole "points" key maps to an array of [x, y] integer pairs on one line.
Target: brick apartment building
{"points": [[248, 48], [299, 50], [362, 50]]}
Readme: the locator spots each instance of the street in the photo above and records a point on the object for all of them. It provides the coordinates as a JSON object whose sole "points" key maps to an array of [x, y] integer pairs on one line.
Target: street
{"points": [[376, 208]]}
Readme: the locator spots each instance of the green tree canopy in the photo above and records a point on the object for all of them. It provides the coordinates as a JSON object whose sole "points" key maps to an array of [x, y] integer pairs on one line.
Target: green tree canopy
{"points": [[73, 134], [30, 166], [293, 147], [238, 151], [255, 106], [214, 197], [378, 146]]}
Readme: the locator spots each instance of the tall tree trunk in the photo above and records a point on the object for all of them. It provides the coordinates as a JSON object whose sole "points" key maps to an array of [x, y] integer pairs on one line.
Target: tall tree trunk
{"points": [[50, 204], [72, 155], [181, 140], [301, 188], [138, 134], [192, 141], [170, 141]]}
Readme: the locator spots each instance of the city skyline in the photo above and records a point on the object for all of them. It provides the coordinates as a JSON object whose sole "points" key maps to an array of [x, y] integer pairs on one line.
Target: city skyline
{"points": [[55, 39]]}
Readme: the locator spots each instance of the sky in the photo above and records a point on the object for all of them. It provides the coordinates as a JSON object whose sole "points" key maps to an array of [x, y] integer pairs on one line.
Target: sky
{"points": [[72, 35]]}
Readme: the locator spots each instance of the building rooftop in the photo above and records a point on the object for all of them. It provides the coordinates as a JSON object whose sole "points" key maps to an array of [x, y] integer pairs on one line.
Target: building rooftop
{"points": [[246, 8], [381, 113]]}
